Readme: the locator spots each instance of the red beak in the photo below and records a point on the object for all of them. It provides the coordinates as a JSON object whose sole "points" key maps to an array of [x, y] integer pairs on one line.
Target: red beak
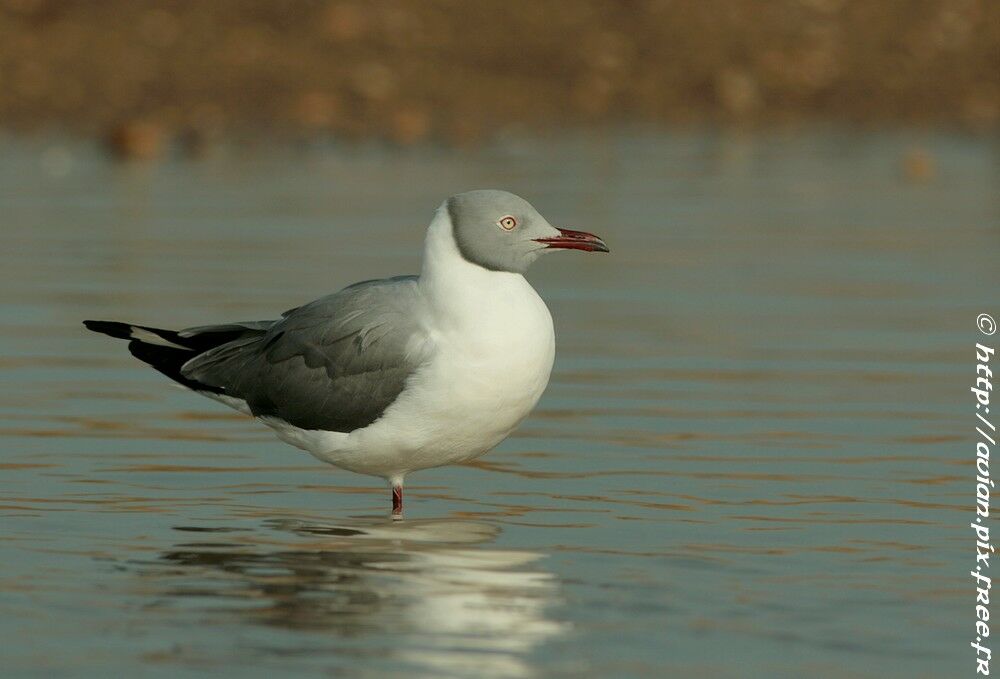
{"points": [[575, 240]]}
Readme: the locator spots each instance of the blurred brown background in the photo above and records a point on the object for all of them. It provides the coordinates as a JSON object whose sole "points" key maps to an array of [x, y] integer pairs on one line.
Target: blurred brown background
{"points": [[142, 73]]}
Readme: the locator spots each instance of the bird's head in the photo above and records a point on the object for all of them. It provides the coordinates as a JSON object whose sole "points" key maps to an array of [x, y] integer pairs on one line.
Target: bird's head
{"points": [[503, 232]]}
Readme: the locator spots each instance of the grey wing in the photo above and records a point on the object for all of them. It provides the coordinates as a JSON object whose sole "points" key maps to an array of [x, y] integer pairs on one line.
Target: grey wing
{"points": [[334, 364]]}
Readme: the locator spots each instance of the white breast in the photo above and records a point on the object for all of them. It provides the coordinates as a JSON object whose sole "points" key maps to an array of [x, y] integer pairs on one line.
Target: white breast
{"points": [[485, 378]]}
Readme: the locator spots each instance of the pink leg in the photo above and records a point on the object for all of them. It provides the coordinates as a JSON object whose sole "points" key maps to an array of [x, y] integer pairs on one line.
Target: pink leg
{"points": [[397, 502]]}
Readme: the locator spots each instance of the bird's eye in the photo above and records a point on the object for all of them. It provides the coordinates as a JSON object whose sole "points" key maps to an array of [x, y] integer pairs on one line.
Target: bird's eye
{"points": [[507, 223]]}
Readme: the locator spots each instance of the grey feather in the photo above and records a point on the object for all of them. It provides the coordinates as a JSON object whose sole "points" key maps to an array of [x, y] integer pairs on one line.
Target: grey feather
{"points": [[225, 328], [334, 364], [475, 219]]}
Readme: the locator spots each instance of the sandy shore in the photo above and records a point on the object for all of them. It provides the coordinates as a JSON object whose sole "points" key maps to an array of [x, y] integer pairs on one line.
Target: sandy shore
{"points": [[142, 73]]}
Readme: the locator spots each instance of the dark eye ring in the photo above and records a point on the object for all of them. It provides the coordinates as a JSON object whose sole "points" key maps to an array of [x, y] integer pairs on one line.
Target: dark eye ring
{"points": [[507, 223]]}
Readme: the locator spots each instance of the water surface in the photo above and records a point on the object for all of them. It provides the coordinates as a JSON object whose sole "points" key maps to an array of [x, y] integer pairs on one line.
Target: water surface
{"points": [[753, 459]]}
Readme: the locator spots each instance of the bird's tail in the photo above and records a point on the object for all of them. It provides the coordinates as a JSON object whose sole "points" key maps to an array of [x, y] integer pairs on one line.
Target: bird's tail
{"points": [[168, 350]]}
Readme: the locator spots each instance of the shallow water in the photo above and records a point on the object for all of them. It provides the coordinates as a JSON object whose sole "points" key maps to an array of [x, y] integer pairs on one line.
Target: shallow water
{"points": [[753, 459]]}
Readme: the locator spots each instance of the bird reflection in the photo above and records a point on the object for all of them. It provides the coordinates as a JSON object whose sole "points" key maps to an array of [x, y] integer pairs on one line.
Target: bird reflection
{"points": [[427, 589]]}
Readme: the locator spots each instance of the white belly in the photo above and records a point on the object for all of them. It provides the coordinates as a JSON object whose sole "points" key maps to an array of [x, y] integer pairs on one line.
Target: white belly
{"points": [[481, 382]]}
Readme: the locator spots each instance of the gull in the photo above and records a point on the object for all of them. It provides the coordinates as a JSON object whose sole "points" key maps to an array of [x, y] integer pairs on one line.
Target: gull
{"points": [[391, 376]]}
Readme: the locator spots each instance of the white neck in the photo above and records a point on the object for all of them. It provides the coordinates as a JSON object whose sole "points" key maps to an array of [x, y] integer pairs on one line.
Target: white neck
{"points": [[459, 291]]}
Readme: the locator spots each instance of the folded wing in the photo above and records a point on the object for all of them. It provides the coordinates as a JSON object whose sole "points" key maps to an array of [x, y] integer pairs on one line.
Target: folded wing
{"points": [[334, 364]]}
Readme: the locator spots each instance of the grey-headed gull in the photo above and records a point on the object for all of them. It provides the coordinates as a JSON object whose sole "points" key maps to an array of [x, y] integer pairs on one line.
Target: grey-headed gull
{"points": [[390, 376]]}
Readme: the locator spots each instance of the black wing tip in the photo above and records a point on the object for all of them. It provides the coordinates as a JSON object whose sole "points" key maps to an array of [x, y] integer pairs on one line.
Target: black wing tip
{"points": [[168, 358], [169, 361], [110, 328]]}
